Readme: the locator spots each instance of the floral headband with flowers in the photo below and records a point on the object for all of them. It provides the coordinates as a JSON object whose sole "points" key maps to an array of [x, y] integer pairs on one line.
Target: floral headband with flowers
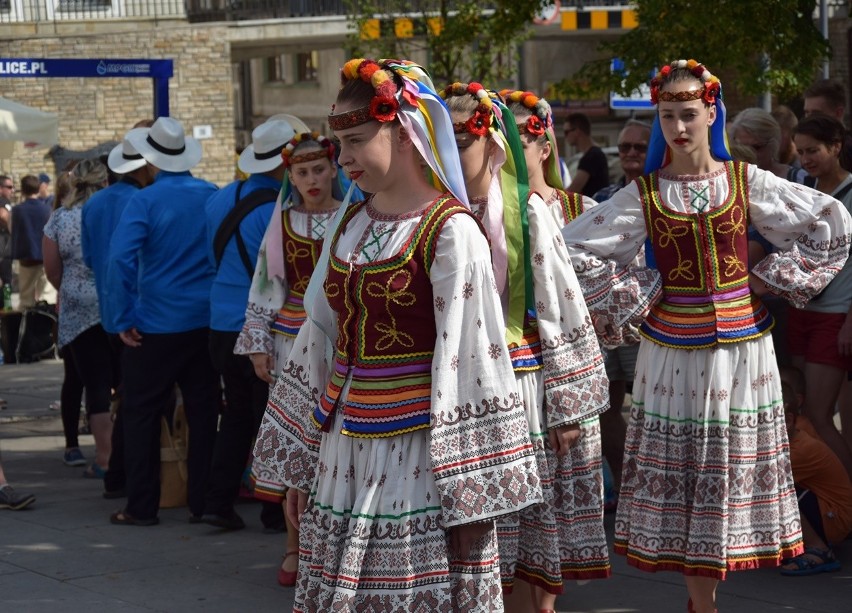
{"points": [[712, 86], [480, 122], [540, 118], [384, 105], [326, 149]]}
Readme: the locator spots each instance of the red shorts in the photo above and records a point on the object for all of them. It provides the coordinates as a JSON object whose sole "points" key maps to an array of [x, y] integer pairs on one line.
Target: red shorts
{"points": [[814, 336]]}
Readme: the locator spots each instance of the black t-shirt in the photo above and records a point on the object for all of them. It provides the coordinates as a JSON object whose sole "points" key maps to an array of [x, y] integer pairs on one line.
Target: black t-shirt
{"points": [[594, 162]]}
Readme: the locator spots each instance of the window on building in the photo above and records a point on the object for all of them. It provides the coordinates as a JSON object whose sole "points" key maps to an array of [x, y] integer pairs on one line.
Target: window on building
{"points": [[293, 68], [306, 67], [5, 6]]}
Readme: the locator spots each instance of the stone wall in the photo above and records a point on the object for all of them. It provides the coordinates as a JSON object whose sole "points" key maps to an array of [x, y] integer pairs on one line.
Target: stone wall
{"points": [[93, 111]]}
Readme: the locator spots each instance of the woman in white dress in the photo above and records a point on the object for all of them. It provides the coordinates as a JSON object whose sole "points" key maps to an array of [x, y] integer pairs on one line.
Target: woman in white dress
{"points": [[555, 355], [706, 487], [404, 437], [275, 310]]}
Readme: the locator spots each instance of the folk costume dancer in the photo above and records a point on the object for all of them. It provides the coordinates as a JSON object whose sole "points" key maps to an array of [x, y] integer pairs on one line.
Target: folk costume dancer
{"points": [[555, 356], [409, 442], [535, 124], [706, 486], [310, 196]]}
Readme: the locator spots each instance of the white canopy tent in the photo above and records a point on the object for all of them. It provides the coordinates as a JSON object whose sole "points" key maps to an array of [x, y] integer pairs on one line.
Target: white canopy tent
{"points": [[26, 124]]}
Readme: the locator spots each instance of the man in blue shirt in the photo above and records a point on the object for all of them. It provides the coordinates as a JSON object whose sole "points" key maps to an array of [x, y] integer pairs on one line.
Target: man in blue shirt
{"points": [[159, 277], [245, 393], [99, 218]]}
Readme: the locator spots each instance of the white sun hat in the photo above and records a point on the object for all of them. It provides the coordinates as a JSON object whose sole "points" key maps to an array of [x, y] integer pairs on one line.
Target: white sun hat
{"points": [[298, 125], [267, 142], [166, 146], [124, 158]]}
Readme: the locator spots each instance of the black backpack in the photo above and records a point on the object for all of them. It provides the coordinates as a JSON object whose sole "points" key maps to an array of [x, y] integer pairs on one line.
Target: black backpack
{"points": [[230, 226]]}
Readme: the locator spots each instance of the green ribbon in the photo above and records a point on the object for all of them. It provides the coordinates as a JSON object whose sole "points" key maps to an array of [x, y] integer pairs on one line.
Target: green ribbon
{"points": [[514, 184]]}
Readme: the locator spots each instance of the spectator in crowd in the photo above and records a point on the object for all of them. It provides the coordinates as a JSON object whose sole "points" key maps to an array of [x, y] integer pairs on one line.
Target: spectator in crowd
{"points": [[9, 498], [593, 170], [823, 488], [44, 190], [99, 219], [71, 394], [829, 97], [28, 219], [80, 332], [787, 121], [756, 128], [7, 192], [632, 147], [237, 217], [820, 334], [159, 278], [620, 362]]}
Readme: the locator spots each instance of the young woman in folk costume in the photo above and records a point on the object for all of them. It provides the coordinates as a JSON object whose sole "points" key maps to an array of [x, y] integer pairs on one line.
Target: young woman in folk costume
{"points": [[706, 487], [535, 124], [555, 355], [310, 196], [403, 436]]}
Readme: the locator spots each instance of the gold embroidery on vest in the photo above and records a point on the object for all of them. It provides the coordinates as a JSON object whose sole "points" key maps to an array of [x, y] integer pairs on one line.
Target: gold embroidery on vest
{"points": [[735, 228], [332, 290], [390, 333], [667, 234], [293, 254]]}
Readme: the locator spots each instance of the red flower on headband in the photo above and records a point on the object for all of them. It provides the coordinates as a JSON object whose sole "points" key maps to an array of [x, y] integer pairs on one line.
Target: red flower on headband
{"points": [[711, 90], [383, 108], [366, 70], [479, 123], [535, 126]]}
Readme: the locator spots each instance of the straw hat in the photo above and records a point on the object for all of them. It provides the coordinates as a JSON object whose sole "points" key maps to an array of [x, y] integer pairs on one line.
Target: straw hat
{"points": [[166, 146], [267, 142], [124, 158]]}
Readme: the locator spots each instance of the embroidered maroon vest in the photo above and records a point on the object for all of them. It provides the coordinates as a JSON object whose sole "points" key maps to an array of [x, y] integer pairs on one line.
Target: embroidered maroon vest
{"points": [[300, 259], [703, 259], [386, 332], [571, 204]]}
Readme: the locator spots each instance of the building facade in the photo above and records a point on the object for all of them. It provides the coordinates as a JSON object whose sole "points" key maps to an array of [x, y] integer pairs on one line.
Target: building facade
{"points": [[238, 63]]}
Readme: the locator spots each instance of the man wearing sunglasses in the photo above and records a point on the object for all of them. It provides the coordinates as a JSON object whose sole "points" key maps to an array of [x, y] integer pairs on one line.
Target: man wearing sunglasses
{"points": [[632, 147]]}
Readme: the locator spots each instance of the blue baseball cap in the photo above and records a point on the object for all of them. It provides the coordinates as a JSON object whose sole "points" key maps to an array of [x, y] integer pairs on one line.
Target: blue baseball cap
{"points": [[43, 178]]}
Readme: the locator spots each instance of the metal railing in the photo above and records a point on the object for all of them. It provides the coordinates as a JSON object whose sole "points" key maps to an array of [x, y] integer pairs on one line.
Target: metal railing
{"points": [[241, 10], [30, 11], [35, 11]]}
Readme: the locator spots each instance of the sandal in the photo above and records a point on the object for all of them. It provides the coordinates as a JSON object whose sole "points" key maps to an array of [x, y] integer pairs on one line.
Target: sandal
{"points": [[825, 562], [94, 472], [122, 518], [287, 578]]}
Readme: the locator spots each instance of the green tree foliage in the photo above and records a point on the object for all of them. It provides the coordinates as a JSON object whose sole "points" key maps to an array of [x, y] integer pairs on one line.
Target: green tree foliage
{"points": [[464, 40], [756, 45]]}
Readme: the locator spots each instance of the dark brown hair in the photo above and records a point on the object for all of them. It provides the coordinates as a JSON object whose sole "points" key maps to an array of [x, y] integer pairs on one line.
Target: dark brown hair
{"points": [[832, 91], [29, 185]]}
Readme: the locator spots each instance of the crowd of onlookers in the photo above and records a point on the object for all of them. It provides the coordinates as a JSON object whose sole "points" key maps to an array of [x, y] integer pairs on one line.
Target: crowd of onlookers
{"points": [[146, 304]]}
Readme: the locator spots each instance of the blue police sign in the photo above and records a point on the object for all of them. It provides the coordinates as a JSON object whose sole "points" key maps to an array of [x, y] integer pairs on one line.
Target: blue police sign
{"points": [[158, 70], [638, 100]]}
